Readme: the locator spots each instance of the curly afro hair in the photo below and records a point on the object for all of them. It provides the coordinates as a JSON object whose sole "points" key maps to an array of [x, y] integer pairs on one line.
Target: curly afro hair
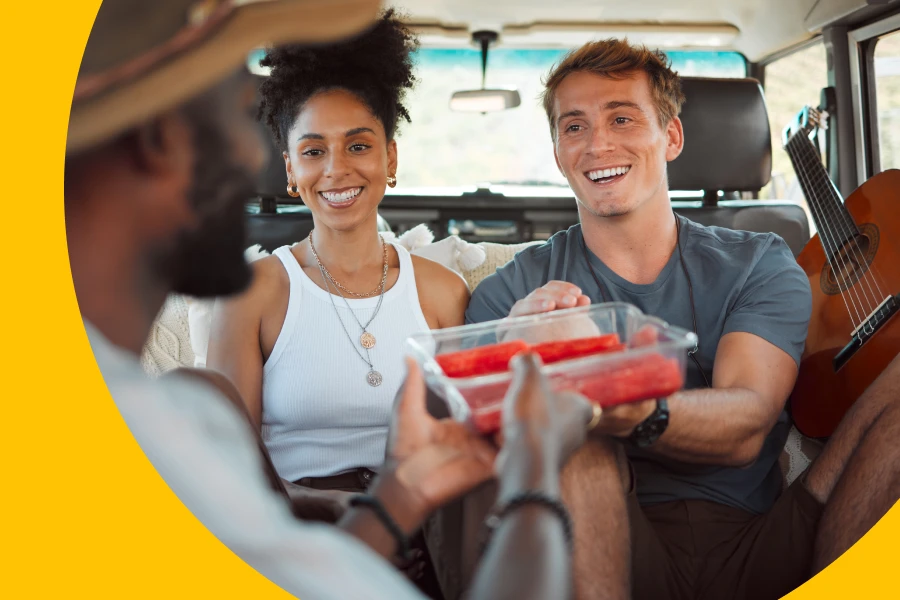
{"points": [[377, 67]]}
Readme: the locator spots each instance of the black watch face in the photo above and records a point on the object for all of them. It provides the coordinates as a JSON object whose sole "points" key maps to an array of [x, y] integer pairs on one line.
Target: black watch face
{"points": [[658, 426], [650, 430]]}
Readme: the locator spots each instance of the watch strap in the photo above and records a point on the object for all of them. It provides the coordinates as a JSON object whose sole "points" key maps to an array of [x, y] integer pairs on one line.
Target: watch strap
{"points": [[652, 427]]}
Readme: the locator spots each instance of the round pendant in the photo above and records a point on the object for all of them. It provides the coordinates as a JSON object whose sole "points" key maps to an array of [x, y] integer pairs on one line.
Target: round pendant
{"points": [[367, 340], [374, 378]]}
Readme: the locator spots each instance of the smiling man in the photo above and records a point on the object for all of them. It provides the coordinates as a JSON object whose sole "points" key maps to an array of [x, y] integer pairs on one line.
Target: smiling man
{"points": [[685, 492]]}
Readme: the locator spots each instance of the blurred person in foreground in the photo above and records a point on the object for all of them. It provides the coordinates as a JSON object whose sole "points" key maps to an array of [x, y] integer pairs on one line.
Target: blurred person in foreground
{"points": [[161, 155]]}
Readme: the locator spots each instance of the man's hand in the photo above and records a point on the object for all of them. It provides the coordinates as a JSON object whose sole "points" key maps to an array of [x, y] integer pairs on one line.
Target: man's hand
{"points": [[554, 295], [619, 421], [549, 425], [412, 566], [429, 461]]}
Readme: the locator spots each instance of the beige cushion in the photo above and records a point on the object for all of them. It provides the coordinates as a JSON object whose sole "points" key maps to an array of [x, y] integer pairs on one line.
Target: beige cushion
{"points": [[169, 344], [496, 255], [454, 253]]}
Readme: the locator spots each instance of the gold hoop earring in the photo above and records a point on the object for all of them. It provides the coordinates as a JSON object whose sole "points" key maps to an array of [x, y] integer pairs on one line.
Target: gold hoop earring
{"points": [[391, 181], [292, 191]]}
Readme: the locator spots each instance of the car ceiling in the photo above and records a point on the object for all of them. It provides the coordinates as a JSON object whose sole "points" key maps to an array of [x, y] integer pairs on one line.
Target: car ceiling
{"points": [[756, 28]]}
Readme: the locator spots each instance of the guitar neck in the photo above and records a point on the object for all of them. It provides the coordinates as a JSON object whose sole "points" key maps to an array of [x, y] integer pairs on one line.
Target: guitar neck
{"points": [[833, 222]]}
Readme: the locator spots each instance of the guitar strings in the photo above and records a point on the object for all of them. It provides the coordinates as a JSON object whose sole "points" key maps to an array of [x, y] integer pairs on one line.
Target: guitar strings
{"points": [[828, 231], [871, 274], [822, 224], [826, 185], [869, 277], [832, 189]]}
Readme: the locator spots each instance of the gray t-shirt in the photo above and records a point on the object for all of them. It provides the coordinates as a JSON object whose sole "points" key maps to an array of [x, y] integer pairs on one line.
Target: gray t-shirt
{"points": [[742, 281]]}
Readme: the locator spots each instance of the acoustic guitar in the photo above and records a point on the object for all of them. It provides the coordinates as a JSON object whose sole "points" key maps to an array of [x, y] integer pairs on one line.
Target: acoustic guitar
{"points": [[853, 265]]}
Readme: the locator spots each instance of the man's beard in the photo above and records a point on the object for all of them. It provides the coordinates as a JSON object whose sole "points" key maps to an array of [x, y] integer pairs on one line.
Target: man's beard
{"points": [[209, 260]]}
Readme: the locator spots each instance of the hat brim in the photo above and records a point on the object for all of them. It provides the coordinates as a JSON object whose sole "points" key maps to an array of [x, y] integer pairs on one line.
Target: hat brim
{"points": [[211, 59]]}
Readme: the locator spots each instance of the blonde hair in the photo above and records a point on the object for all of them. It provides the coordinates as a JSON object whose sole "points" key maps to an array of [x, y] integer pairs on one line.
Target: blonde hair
{"points": [[617, 59]]}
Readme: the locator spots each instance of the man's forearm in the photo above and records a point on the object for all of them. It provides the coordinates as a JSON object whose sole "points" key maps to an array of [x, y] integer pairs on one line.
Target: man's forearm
{"points": [[716, 426], [366, 527], [527, 556]]}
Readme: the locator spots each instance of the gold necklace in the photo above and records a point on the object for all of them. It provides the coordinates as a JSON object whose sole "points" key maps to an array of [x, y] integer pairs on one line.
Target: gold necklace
{"points": [[366, 339], [337, 283]]}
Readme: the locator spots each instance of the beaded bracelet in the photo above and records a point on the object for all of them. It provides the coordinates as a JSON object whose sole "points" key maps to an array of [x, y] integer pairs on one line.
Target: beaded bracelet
{"points": [[389, 523], [531, 497]]}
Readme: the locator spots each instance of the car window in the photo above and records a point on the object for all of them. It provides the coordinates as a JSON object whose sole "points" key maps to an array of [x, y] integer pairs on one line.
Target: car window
{"points": [[444, 149], [446, 152], [792, 82], [887, 94]]}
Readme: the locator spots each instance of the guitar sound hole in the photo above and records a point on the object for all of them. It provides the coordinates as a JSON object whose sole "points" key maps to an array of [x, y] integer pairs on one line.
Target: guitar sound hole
{"points": [[851, 262]]}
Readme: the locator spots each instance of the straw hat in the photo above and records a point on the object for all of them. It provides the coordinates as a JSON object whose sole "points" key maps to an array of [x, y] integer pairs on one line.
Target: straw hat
{"points": [[144, 57]]}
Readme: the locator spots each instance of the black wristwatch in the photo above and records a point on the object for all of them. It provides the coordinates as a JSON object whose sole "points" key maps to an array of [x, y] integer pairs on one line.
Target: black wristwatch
{"points": [[653, 426]]}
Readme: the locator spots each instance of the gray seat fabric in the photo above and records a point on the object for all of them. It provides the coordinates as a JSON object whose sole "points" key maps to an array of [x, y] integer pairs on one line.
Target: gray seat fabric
{"points": [[787, 220]]}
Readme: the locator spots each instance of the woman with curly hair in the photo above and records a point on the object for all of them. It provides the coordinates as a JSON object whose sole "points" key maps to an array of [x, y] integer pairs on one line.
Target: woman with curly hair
{"points": [[315, 345]]}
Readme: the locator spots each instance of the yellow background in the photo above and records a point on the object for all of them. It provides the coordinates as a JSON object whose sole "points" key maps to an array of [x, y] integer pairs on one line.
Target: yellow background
{"points": [[84, 512]]}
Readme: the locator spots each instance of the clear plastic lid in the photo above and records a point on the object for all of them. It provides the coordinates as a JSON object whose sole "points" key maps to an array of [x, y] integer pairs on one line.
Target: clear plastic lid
{"points": [[648, 362]]}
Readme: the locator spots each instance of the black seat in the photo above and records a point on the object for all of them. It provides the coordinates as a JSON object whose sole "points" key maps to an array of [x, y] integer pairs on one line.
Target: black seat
{"points": [[727, 149], [727, 144], [289, 224]]}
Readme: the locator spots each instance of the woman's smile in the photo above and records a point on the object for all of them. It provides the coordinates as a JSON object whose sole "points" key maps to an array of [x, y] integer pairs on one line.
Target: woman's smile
{"points": [[342, 197]]}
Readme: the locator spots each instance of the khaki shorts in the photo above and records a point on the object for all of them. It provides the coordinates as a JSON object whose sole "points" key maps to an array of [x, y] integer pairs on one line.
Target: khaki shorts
{"points": [[685, 549]]}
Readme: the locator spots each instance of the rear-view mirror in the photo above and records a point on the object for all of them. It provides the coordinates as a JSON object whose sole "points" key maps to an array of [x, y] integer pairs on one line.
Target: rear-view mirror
{"points": [[485, 100]]}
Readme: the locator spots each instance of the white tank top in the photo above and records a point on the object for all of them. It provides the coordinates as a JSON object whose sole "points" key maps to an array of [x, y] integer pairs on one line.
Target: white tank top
{"points": [[320, 416]]}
